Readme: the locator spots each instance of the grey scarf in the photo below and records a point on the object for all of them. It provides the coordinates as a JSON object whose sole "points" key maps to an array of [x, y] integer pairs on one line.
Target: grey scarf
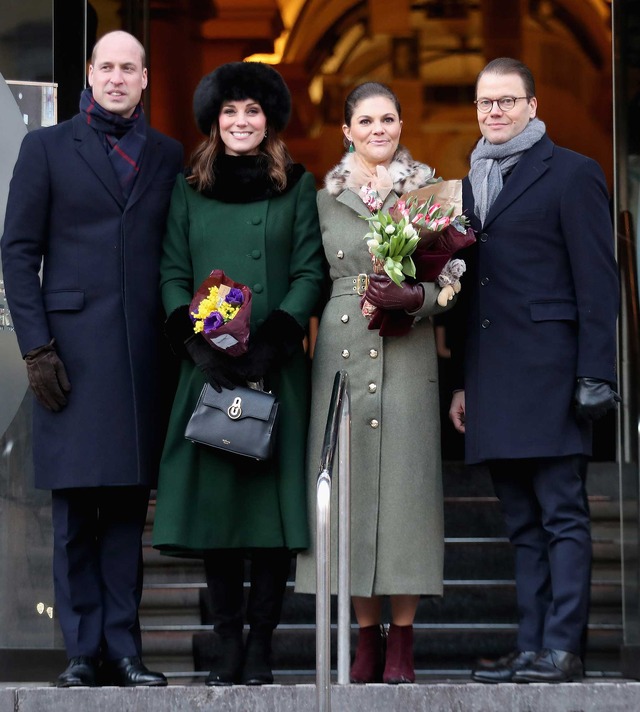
{"points": [[489, 162]]}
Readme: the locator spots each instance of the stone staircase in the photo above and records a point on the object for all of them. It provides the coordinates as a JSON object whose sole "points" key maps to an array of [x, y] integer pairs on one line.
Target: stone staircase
{"points": [[476, 616]]}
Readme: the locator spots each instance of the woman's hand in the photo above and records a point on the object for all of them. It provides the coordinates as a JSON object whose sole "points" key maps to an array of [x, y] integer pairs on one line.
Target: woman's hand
{"points": [[384, 293]]}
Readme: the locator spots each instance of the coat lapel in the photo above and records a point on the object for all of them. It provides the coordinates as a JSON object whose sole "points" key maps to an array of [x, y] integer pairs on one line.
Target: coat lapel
{"points": [[528, 170], [90, 149]]}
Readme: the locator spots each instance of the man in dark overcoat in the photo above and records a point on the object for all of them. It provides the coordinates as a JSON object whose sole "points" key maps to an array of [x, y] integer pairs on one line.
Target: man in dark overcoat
{"points": [[87, 203], [536, 357]]}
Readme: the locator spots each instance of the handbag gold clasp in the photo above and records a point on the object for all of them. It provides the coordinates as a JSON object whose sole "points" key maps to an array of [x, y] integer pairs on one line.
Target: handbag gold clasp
{"points": [[360, 283], [234, 411]]}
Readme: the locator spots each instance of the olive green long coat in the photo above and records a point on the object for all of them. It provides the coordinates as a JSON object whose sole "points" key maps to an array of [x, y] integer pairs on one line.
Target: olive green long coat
{"points": [[396, 485], [207, 499]]}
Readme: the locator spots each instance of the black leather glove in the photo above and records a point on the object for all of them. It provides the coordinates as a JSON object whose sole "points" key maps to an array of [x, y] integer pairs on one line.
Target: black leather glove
{"points": [[384, 293], [217, 368], [48, 377], [275, 341], [594, 398], [178, 328]]}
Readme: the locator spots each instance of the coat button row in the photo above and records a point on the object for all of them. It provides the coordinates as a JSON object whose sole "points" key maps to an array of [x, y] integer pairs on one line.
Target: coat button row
{"points": [[486, 323]]}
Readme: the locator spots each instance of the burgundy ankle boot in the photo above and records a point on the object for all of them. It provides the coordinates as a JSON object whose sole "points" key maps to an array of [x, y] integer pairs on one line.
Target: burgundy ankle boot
{"points": [[399, 663], [369, 660]]}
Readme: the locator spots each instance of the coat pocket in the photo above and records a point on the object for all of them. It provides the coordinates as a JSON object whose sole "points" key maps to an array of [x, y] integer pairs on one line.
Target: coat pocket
{"points": [[64, 300], [560, 310]]}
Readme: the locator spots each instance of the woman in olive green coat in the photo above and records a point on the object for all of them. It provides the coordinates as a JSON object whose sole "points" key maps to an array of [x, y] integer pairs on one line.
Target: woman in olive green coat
{"points": [[245, 208], [397, 538]]}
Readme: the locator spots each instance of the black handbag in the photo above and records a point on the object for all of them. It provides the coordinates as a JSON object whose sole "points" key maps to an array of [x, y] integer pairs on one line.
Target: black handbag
{"points": [[241, 421]]}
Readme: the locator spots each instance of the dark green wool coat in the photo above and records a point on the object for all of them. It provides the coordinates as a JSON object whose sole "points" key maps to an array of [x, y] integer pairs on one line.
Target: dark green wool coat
{"points": [[206, 499]]}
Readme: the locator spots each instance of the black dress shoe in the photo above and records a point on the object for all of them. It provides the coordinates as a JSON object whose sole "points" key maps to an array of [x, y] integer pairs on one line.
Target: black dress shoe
{"points": [[503, 669], [82, 671], [131, 672], [552, 666]]}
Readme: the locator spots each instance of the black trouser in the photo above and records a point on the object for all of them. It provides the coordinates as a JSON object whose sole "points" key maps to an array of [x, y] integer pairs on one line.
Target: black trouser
{"points": [[224, 570], [546, 512]]}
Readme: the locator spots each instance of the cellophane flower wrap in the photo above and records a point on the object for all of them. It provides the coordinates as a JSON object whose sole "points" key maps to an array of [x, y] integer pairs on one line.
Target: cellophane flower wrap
{"points": [[415, 240], [221, 311]]}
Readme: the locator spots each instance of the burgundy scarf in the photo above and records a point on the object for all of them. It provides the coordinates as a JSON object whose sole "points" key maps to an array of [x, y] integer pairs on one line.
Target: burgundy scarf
{"points": [[123, 138]]}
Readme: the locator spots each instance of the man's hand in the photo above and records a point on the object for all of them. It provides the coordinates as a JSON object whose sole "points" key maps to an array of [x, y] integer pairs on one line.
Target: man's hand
{"points": [[457, 411], [47, 376], [594, 398]]}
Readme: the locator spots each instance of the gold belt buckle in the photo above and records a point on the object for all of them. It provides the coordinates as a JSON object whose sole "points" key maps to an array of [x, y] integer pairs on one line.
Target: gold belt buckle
{"points": [[360, 283]]}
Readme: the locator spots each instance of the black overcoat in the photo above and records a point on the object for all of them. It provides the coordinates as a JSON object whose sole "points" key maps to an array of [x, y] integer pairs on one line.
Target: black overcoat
{"points": [[99, 299], [539, 302]]}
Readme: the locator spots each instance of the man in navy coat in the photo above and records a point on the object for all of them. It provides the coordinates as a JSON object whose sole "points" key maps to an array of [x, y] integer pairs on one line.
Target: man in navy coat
{"points": [[536, 359], [87, 203]]}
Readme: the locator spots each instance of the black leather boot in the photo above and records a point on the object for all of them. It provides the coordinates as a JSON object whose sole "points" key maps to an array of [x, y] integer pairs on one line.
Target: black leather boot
{"points": [[269, 574], [224, 570]]}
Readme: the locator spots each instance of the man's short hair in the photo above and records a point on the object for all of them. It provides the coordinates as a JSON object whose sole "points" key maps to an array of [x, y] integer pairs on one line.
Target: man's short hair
{"points": [[508, 65], [143, 54]]}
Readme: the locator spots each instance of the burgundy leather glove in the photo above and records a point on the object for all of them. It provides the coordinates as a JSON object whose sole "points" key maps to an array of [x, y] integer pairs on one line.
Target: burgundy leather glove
{"points": [[384, 293], [47, 377], [594, 398]]}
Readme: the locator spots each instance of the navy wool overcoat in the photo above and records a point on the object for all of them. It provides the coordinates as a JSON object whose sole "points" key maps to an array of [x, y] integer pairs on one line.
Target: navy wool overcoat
{"points": [[541, 299], [99, 299]]}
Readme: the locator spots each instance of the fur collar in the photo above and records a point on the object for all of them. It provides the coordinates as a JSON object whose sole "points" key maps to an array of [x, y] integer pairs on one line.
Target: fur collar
{"points": [[406, 174], [244, 179]]}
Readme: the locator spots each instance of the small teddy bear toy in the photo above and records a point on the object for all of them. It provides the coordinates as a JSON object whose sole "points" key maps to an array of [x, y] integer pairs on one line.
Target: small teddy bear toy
{"points": [[449, 280]]}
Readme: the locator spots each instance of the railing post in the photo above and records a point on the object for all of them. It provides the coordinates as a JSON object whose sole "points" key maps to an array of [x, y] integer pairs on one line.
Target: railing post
{"points": [[323, 593], [337, 433], [344, 541]]}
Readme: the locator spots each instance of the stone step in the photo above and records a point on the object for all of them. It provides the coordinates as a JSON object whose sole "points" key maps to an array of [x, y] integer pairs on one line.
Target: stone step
{"points": [[438, 695]]}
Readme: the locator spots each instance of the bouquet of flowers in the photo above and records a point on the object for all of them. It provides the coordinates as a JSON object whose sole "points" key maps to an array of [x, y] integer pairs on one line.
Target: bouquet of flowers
{"points": [[221, 311], [417, 239]]}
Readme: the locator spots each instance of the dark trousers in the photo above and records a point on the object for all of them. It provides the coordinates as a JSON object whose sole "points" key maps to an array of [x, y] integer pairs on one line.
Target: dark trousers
{"points": [[97, 568], [224, 569], [545, 507]]}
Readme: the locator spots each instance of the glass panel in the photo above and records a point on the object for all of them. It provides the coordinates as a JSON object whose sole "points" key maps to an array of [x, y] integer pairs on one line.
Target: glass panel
{"points": [[26, 40], [626, 36], [26, 587]]}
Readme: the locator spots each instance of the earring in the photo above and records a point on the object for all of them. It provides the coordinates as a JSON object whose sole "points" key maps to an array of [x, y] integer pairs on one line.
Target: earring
{"points": [[265, 134], [351, 147]]}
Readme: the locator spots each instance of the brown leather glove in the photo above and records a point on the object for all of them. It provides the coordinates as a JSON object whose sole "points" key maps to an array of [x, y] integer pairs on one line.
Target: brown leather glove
{"points": [[47, 376], [384, 293]]}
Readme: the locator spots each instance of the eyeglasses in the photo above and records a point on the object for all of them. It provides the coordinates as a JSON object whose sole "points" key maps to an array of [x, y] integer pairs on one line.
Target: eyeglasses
{"points": [[505, 103]]}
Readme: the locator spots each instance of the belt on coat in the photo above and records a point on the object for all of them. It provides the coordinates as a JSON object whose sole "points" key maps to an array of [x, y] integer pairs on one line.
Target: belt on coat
{"points": [[356, 285]]}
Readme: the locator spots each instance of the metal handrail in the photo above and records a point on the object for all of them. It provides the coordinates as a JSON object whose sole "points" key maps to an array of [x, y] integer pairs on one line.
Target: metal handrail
{"points": [[337, 432]]}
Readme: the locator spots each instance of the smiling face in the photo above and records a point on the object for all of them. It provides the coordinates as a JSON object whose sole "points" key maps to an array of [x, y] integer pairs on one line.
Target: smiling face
{"points": [[116, 74], [242, 127], [375, 130], [499, 126]]}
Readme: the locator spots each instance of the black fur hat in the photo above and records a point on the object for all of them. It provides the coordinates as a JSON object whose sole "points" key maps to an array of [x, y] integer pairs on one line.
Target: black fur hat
{"points": [[242, 80]]}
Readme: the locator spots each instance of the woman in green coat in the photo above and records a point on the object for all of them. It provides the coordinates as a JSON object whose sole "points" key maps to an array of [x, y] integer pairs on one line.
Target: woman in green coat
{"points": [[243, 207]]}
